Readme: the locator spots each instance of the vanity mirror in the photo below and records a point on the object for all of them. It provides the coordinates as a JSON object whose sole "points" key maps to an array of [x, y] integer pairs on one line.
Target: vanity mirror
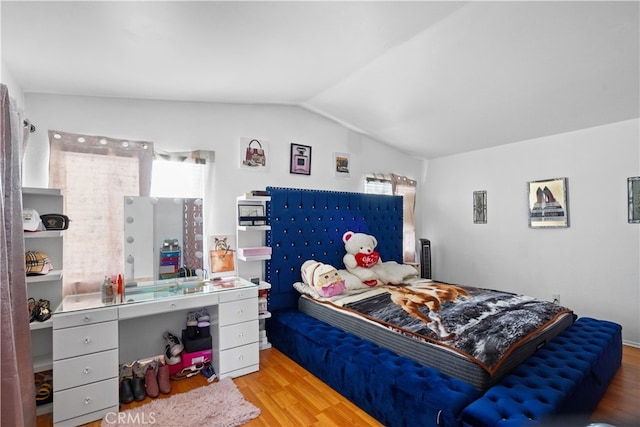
{"points": [[163, 238]]}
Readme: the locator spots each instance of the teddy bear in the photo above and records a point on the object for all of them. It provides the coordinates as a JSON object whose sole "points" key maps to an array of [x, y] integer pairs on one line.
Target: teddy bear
{"points": [[363, 261], [324, 278]]}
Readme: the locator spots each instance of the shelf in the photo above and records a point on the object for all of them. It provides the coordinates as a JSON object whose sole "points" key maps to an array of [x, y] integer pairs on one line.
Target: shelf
{"points": [[35, 325], [49, 277], [42, 363], [264, 285], [254, 258], [254, 227], [41, 191], [265, 315], [246, 198], [45, 234]]}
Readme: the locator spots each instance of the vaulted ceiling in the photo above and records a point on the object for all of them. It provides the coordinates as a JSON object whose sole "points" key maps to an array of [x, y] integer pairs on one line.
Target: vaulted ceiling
{"points": [[432, 78]]}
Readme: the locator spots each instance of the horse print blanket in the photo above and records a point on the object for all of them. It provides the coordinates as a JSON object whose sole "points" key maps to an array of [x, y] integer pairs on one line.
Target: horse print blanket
{"points": [[484, 325]]}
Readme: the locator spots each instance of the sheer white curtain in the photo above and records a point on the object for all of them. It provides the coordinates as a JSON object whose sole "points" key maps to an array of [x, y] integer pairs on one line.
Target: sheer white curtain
{"points": [[392, 184], [95, 173], [18, 406]]}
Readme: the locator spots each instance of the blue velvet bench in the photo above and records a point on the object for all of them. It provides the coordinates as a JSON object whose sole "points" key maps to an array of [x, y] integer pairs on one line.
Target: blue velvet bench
{"points": [[395, 390], [559, 385]]}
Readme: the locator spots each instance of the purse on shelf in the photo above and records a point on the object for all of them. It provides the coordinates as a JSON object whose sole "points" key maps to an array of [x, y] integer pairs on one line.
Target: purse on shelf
{"points": [[55, 221], [255, 155]]}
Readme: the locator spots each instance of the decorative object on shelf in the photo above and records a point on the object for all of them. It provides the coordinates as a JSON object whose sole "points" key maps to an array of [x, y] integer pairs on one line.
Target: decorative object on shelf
{"points": [[253, 153], [548, 203], [633, 184], [300, 159], [31, 220], [55, 221], [251, 215], [37, 262], [479, 207], [222, 254], [341, 165]]}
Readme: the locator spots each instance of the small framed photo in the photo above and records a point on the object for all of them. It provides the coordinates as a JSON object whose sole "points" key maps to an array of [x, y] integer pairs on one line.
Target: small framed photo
{"points": [[633, 185], [548, 203], [341, 165], [253, 154], [300, 159], [251, 215], [479, 207]]}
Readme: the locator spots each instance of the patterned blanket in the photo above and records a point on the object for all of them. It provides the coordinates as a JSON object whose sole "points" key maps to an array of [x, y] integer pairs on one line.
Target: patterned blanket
{"points": [[485, 325]]}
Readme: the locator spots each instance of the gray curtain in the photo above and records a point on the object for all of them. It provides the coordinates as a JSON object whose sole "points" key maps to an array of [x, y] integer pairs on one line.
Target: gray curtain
{"points": [[18, 406]]}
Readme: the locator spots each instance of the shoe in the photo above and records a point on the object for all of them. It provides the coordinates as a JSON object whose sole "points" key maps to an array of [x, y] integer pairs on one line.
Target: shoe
{"points": [[164, 383], [175, 347], [192, 318], [151, 382], [44, 388], [209, 372], [188, 372], [31, 303], [137, 387], [43, 310], [126, 393], [202, 315], [169, 358]]}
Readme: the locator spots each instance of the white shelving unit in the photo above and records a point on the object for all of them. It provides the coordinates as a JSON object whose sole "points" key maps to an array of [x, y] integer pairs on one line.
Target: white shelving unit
{"points": [[252, 266], [48, 286]]}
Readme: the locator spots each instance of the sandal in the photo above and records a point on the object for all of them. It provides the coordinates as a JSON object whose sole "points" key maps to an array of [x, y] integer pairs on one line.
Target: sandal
{"points": [[44, 394], [32, 309], [188, 372], [43, 310]]}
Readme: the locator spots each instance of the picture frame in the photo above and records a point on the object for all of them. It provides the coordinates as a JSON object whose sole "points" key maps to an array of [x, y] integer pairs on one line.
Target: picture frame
{"points": [[222, 254], [480, 207], [254, 154], [300, 159], [251, 214], [548, 203], [633, 190], [341, 165]]}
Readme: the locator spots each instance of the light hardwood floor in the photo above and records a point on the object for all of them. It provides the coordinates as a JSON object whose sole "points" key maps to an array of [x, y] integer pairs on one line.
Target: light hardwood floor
{"points": [[288, 395]]}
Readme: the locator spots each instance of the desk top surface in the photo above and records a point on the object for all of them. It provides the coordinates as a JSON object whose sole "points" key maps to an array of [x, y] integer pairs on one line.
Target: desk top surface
{"points": [[160, 290]]}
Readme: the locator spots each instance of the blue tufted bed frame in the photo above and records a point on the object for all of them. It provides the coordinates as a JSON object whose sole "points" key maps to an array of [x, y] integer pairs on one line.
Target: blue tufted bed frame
{"points": [[566, 378]]}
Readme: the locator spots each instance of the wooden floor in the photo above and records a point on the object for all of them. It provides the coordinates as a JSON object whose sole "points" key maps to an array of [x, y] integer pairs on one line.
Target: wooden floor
{"points": [[288, 395]]}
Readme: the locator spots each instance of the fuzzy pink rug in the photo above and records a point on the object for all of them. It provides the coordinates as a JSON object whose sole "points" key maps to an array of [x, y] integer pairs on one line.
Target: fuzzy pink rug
{"points": [[218, 404]]}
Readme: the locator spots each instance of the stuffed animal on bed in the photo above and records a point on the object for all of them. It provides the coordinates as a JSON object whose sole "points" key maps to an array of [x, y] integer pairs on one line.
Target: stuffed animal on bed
{"points": [[363, 261], [324, 278]]}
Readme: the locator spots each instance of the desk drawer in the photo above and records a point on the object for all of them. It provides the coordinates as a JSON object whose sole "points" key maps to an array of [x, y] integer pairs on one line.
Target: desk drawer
{"points": [[239, 357], [78, 401], [238, 311], [238, 334], [72, 342], [244, 293], [85, 317], [140, 309], [81, 370]]}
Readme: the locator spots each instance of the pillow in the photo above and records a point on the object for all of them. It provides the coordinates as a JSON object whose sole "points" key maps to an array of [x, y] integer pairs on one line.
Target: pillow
{"points": [[324, 278], [305, 289]]}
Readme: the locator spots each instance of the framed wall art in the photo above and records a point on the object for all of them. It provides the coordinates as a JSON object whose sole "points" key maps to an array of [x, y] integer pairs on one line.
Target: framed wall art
{"points": [[479, 207], [633, 186], [341, 165], [254, 154], [548, 203], [300, 160]]}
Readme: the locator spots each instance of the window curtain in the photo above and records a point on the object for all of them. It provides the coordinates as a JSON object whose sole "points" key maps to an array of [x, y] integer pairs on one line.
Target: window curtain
{"points": [[95, 173], [18, 407], [405, 187], [201, 161]]}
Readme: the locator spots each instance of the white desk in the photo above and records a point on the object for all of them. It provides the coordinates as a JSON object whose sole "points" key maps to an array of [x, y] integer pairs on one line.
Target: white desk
{"points": [[91, 339]]}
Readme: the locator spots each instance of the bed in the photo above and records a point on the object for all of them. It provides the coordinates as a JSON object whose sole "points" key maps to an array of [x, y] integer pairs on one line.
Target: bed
{"points": [[436, 385]]}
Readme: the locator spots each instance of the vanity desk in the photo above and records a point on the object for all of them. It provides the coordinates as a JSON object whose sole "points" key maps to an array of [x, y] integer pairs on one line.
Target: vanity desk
{"points": [[91, 338]]}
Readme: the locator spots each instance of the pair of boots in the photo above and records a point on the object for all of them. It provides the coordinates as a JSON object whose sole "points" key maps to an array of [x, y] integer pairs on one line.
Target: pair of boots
{"points": [[139, 380]]}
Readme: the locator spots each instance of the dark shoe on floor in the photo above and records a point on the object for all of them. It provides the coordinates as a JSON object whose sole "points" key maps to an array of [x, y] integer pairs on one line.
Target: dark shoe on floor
{"points": [[137, 386], [126, 394]]}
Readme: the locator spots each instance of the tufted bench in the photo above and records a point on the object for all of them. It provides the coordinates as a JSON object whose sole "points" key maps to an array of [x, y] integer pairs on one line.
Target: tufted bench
{"points": [[393, 389], [561, 384]]}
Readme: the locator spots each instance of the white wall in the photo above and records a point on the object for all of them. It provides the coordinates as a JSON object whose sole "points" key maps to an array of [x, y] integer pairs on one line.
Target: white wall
{"points": [[593, 264], [182, 126]]}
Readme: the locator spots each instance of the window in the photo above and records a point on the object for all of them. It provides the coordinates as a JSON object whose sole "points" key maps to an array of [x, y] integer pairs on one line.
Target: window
{"points": [[392, 184]]}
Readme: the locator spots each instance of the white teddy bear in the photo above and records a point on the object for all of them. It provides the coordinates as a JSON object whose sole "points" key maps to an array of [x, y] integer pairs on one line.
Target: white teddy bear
{"points": [[364, 262]]}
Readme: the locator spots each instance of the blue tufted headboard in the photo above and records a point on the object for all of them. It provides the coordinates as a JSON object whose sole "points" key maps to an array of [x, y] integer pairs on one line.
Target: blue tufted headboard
{"points": [[309, 224]]}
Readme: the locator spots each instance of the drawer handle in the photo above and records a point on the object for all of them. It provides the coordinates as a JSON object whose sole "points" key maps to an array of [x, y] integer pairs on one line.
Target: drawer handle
{"points": [[87, 400], [87, 370], [173, 306], [87, 340], [241, 311], [241, 335], [87, 319], [241, 358]]}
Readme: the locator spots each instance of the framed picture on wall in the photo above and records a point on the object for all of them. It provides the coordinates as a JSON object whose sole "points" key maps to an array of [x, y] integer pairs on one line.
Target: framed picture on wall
{"points": [[633, 185], [253, 154], [479, 207], [300, 159], [548, 203], [341, 165]]}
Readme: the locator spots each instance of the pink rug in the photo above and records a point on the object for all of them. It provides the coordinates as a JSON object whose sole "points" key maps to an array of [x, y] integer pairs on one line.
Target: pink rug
{"points": [[219, 404]]}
